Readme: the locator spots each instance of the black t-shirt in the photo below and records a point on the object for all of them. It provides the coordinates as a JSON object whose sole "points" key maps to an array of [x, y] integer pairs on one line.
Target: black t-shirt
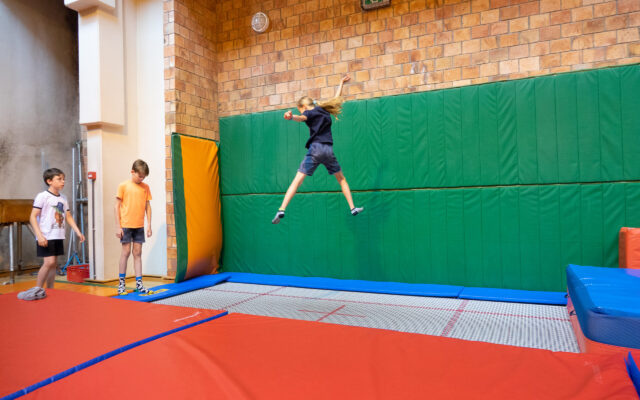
{"points": [[319, 123]]}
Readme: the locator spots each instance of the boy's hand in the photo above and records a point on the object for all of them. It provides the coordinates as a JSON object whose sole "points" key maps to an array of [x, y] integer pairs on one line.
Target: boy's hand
{"points": [[288, 115], [119, 233], [149, 232], [346, 78], [80, 236], [43, 242]]}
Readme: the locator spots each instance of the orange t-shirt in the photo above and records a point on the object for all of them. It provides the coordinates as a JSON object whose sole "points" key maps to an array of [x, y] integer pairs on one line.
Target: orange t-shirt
{"points": [[134, 203]]}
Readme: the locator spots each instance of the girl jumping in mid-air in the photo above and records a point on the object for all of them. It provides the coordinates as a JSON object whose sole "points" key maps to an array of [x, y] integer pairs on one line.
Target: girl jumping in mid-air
{"points": [[317, 116]]}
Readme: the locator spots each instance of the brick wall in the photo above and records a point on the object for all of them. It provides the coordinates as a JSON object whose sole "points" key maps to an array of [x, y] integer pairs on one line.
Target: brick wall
{"points": [[414, 45], [191, 100]]}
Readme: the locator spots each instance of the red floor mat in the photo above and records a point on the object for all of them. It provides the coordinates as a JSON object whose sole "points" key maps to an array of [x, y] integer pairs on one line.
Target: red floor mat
{"points": [[251, 357], [45, 337]]}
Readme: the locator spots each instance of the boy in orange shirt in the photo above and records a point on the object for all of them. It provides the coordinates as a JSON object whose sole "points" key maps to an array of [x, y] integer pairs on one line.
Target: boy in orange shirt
{"points": [[132, 203]]}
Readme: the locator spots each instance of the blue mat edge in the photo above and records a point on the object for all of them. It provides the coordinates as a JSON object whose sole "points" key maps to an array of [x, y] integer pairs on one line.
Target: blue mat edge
{"points": [[106, 356], [633, 371], [514, 295], [174, 289]]}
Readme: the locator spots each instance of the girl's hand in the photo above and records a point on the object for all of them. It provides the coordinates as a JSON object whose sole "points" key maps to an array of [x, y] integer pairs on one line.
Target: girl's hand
{"points": [[80, 236], [119, 233], [149, 233], [288, 115], [346, 78]]}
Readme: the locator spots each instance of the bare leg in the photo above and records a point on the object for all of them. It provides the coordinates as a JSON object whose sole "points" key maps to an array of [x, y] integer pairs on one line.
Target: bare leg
{"points": [[137, 259], [52, 275], [124, 257], [293, 188], [345, 188], [48, 265]]}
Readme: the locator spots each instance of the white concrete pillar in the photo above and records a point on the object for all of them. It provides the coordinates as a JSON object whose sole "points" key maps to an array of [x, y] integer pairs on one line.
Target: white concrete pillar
{"points": [[122, 106]]}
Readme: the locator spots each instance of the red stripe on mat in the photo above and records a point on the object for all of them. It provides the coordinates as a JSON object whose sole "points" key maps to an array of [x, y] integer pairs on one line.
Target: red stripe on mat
{"points": [[250, 357], [48, 336]]}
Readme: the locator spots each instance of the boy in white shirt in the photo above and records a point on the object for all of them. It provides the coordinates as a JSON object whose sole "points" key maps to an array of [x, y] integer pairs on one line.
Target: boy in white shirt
{"points": [[48, 216]]}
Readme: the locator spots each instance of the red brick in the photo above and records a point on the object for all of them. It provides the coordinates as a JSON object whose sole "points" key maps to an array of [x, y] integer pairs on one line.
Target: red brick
{"points": [[604, 9], [550, 5], [570, 58], [539, 21], [488, 17], [569, 4], [530, 36], [539, 49], [628, 35], [470, 72], [451, 49], [617, 51], [530, 8], [508, 40], [560, 17], [489, 69], [489, 43], [461, 60], [471, 46], [582, 13], [604, 39], [634, 19], [519, 24], [518, 51], [626, 6], [507, 67], [499, 28], [592, 55], [634, 49], [560, 45], [550, 33], [470, 20], [480, 31], [529, 64], [452, 74], [616, 22], [573, 29], [582, 42], [593, 26], [549, 61], [509, 12], [462, 35]]}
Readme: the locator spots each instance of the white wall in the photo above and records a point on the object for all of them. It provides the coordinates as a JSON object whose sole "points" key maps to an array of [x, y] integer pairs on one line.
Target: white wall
{"points": [[38, 101], [124, 113]]}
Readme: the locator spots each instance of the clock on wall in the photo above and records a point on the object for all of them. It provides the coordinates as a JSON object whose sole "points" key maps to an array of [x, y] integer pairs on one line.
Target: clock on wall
{"points": [[260, 22], [371, 4]]}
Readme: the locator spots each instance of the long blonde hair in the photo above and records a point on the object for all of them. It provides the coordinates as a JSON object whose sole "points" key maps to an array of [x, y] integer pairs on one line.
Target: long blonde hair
{"points": [[332, 106]]}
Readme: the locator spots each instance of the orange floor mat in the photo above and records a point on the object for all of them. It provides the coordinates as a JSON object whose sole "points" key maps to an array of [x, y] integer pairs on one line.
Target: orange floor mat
{"points": [[252, 357], [45, 337]]}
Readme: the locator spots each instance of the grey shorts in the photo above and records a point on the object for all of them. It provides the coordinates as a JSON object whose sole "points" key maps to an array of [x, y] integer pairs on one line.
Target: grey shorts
{"points": [[135, 235], [319, 153]]}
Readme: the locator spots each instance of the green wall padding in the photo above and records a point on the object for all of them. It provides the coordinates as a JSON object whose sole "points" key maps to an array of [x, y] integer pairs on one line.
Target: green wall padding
{"points": [[497, 185], [568, 128], [504, 237]]}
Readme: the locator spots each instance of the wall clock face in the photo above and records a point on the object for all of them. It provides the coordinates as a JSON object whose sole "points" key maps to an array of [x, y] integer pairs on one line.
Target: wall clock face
{"points": [[260, 22]]}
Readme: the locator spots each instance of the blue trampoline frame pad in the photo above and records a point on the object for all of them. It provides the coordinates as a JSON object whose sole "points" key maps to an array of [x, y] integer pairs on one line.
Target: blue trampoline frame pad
{"points": [[607, 303], [395, 288]]}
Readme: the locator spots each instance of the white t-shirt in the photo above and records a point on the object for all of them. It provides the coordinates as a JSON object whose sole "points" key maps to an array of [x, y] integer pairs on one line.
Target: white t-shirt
{"points": [[52, 215]]}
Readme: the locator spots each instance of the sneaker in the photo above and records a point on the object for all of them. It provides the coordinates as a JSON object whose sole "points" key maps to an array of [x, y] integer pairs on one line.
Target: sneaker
{"points": [[22, 294], [143, 290], [356, 210], [278, 217], [35, 293]]}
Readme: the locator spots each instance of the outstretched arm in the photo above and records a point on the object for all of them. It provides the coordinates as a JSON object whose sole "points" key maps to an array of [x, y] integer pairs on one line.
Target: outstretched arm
{"points": [[298, 118], [344, 79]]}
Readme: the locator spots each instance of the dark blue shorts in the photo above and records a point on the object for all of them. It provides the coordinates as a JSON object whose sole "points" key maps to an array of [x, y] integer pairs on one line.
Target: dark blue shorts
{"points": [[54, 247], [319, 153], [135, 235]]}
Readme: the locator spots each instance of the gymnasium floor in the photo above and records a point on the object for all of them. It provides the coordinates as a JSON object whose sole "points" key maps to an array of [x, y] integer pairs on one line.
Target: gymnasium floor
{"points": [[524, 325]]}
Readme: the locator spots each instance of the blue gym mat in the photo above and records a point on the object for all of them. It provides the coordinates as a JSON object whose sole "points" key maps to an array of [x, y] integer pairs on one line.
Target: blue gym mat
{"points": [[607, 302]]}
